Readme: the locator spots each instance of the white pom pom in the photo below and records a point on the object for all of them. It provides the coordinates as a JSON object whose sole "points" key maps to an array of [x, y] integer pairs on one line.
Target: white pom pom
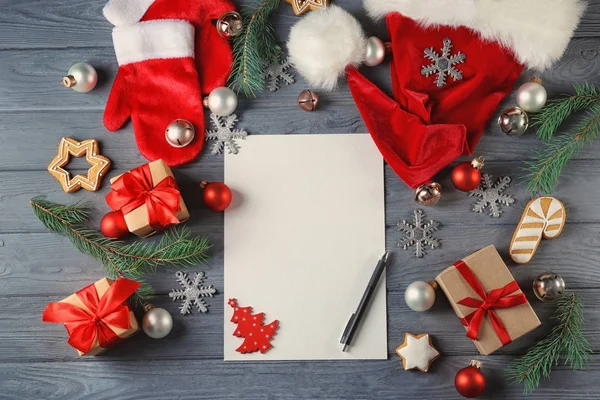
{"points": [[324, 43]]}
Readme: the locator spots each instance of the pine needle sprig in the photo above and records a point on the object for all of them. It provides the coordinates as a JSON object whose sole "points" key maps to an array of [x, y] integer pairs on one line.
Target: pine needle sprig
{"points": [[556, 111], [564, 341], [255, 49], [544, 169], [177, 247]]}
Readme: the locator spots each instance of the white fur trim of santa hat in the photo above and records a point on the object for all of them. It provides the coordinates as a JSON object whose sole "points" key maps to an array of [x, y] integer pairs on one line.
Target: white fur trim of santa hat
{"points": [[126, 12], [149, 40], [537, 31], [322, 44]]}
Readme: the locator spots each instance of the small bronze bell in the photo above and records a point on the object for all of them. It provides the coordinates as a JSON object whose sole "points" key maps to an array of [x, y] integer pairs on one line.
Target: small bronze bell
{"points": [[230, 25], [308, 100], [428, 194]]}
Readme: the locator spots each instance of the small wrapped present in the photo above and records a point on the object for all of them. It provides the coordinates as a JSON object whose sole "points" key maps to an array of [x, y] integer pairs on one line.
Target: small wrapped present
{"points": [[149, 198], [96, 317], [487, 300]]}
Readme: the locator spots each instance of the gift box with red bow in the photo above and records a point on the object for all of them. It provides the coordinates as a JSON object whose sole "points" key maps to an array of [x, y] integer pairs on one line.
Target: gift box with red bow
{"points": [[96, 317], [149, 198], [487, 300]]}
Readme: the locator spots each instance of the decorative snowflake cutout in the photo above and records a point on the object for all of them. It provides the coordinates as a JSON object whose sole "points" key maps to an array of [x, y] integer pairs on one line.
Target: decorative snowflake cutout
{"points": [[443, 65], [224, 134], [418, 234], [492, 195], [276, 72], [192, 292]]}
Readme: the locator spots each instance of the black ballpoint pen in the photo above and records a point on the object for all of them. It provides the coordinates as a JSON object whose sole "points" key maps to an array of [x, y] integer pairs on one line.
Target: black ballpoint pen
{"points": [[355, 318]]}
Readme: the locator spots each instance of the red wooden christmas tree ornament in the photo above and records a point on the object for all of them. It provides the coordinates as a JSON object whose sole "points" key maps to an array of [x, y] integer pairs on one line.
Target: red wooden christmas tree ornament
{"points": [[257, 336]]}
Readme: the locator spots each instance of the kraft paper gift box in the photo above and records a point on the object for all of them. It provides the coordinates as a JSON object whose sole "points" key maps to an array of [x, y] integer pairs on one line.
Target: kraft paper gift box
{"points": [[487, 300]]}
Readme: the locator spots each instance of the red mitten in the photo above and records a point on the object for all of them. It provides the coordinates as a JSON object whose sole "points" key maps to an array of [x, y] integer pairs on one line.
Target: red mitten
{"points": [[213, 53], [156, 83]]}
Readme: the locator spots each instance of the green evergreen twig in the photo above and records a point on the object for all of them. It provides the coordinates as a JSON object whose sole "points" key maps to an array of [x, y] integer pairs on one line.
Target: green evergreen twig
{"points": [[565, 341], [176, 248], [545, 168], [255, 49]]}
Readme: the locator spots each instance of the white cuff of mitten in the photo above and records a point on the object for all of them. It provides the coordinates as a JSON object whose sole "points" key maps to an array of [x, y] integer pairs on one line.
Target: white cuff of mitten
{"points": [[125, 12], [153, 39]]}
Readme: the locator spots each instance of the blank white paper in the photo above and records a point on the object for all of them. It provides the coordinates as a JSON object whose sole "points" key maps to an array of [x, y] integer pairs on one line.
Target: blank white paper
{"points": [[302, 237]]}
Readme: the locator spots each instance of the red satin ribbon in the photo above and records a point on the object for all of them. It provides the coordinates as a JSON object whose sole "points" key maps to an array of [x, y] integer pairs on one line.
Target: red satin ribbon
{"points": [[497, 298], [134, 188], [84, 327]]}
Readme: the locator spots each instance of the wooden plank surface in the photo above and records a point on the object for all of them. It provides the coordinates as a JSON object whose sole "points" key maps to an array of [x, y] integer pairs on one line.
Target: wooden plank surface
{"points": [[40, 39]]}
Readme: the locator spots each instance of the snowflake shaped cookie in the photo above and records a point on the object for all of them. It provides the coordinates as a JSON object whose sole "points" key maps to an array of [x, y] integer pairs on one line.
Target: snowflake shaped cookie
{"points": [[492, 195], [276, 72], [224, 134], [418, 234], [443, 65], [192, 292]]}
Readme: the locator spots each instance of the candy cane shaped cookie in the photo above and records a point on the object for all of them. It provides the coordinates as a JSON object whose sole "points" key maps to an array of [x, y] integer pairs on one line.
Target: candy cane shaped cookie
{"points": [[543, 217]]}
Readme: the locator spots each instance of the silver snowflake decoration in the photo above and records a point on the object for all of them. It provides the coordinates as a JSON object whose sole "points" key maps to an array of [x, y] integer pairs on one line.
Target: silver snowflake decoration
{"points": [[492, 195], [418, 234], [276, 72], [192, 292], [443, 65], [224, 134]]}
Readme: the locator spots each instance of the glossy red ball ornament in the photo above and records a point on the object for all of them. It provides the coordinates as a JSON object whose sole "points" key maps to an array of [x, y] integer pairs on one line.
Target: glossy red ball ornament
{"points": [[216, 195], [470, 381], [466, 175], [113, 225]]}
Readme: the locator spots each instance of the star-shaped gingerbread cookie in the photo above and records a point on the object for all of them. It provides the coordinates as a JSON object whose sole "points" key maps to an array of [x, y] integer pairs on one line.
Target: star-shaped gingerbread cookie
{"points": [[69, 147], [417, 352], [302, 6]]}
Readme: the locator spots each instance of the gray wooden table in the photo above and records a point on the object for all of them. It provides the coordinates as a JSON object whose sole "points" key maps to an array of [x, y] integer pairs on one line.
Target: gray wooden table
{"points": [[39, 40]]}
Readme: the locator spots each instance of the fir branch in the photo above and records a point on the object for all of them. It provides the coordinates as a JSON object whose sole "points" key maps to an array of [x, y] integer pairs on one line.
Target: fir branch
{"points": [[545, 168], [255, 49], [565, 340], [555, 112], [176, 248]]}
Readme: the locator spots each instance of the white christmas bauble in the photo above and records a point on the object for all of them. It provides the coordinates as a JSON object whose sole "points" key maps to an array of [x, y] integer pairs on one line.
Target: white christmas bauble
{"points": [[81, 77], [419, 296], [222, 101], [157, 323], [374, 51], [531, 96]]}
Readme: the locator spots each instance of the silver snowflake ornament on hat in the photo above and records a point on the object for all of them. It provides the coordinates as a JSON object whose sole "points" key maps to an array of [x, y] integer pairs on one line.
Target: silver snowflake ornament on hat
{"points": [[492, 195], [418, 234], [192, 292], [443, 65]]}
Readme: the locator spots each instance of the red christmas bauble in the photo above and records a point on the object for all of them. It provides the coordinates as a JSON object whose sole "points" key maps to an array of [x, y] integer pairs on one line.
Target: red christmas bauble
{"points": [[470, 381], [466, 175], [113, 225], [216, 195]]}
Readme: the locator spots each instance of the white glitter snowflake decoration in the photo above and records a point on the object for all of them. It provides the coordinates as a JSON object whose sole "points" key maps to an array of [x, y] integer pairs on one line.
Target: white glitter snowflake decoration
{"points": [[276, 72], [224, 134], [492, 195], [443, 65], [418, 234], [192, 292]]}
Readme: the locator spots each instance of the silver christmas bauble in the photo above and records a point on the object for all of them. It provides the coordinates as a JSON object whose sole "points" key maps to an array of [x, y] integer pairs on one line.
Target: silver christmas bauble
{"points": [[374, 51], [222, 101], [548, 286], [513, 121], [229, 25], [81, 77], [532, 96], [180, 133], [157, 323], [428, 194], [419, 296]]}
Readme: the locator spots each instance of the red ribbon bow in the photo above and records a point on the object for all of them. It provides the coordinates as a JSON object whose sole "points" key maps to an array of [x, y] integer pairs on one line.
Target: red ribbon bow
{"points": [[83, 326], [497, 298], [135, 188]]}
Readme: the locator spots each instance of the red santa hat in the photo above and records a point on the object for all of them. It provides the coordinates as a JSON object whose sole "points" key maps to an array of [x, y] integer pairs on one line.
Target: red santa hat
{"points": [[453, 62]]}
